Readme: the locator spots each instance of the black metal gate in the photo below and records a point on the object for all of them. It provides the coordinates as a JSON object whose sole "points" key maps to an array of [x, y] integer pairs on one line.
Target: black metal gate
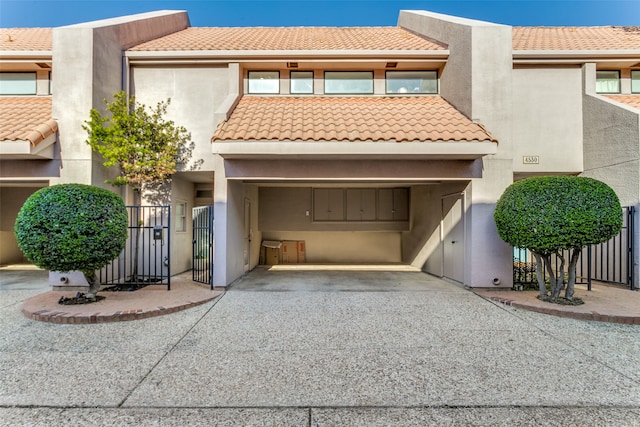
{"points": [[202, 265], [611, 261], [146, 257]]}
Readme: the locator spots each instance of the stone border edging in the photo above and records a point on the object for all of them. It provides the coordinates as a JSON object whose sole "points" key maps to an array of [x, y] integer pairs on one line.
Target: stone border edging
{"points": [[627, 320], [62, 317]]}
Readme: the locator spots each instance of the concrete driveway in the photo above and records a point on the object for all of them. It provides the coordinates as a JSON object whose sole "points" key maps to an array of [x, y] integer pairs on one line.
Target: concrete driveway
{"points": [[322, 348]]}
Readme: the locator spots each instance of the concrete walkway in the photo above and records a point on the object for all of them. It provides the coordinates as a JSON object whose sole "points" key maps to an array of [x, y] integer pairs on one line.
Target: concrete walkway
{"points": [[322, 348]]}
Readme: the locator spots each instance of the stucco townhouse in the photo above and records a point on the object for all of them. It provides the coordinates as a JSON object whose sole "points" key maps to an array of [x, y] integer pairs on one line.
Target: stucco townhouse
{"points": [[373, 145]]}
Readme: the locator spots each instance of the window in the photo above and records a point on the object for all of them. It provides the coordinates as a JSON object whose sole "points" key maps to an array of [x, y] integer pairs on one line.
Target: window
{"points": [[17, 83], [347, 82], [301, 82], [608, 81], [264, 82], [412, 82], [635, 81], [181, 216]]}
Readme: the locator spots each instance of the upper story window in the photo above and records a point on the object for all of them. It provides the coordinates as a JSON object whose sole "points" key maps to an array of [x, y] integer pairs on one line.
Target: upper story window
{"points": [[348, 82], [635, 81], [264, 82], [17, 83], [608, 81], [412, 82], [301, 82]]}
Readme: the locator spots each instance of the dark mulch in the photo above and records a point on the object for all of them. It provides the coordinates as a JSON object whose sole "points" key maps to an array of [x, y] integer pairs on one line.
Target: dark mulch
{"points": [[562, 301], [129, 287], [80, 298]]}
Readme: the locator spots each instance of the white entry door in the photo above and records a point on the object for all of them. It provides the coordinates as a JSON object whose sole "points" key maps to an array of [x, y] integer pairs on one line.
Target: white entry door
{"points": [[453, 237]]}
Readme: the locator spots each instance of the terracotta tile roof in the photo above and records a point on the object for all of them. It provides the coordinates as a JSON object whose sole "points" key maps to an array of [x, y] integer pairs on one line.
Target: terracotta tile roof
{"points": [[631, 100], [400, 119], [25, 39], [291, 38], [26, 119], [576, 38]]}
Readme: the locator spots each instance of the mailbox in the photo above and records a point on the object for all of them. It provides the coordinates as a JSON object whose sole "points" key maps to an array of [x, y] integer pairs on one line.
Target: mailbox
{"points": [[157, 233]]}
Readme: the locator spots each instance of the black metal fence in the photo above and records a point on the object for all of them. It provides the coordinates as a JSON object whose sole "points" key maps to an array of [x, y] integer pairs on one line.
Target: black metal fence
{"points": [[611, 261], [146, 258], [202, 268]]}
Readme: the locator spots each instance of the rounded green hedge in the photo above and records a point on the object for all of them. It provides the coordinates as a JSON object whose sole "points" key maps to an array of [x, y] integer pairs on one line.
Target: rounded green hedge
{"points": [[549, 213], [70, 227]]}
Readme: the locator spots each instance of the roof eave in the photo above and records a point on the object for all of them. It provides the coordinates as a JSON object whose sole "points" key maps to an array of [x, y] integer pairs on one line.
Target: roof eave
{"points": [[25, 54], [26, 149], [459, 150], [286, 54], [574, 56]]}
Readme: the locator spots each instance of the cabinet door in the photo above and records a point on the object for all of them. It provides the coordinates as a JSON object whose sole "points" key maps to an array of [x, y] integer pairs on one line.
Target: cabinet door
{"points": [[361, 204], [328, 204], [385, 204], [393, 204], [401, 204]]}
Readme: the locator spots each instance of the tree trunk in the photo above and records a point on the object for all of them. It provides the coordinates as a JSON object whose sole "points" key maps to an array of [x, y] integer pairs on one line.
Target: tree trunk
{"points": [[542, 288], [552, 274], [557, 287], [94, 284], [573, 262], [137, 200]]}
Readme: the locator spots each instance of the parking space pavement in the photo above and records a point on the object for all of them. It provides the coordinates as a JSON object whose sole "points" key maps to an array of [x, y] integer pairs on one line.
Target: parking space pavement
{"points": [[321, 348]]}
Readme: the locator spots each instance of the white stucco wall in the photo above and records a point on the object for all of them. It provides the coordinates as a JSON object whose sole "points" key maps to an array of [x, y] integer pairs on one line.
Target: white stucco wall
{"points": [[547, 119]]}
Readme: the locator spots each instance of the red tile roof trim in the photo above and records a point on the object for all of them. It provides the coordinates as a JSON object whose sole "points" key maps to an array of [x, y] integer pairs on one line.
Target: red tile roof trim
{"points": [[26, 119], [366, 118], [290, 38], [630, 100], [25, 39], [576, 38]]}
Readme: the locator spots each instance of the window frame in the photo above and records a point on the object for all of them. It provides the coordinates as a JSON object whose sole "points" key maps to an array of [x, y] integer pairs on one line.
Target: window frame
{"points": [[181, 218], [14, 93], [618, 80], [637, 73], [387, 79], [291, 79], [249, 79], [369, 72]]}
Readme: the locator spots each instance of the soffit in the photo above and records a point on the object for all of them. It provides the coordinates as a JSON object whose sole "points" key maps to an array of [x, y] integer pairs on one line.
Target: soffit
{"points": [[349, 119], [291, 39]]}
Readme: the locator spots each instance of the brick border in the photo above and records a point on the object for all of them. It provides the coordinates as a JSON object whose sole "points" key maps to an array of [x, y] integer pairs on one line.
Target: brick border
{"points": [[66, 318], [627, 320]]}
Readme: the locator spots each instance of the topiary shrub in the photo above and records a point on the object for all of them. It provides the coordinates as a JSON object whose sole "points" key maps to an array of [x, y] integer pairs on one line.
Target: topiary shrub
{"points": [[554, 213], [70, 227]]}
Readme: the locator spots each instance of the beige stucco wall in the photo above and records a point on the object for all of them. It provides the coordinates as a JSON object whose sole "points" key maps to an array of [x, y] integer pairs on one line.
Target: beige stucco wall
{"points": [[611, 141], [422, 244], [181, 241], [477, 80], [12, 199], [547, 119], [196, 93], [88, 64]]}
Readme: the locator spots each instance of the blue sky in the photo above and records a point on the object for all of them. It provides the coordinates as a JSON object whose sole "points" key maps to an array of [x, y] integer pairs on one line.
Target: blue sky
{"points": [[51, 13]]}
